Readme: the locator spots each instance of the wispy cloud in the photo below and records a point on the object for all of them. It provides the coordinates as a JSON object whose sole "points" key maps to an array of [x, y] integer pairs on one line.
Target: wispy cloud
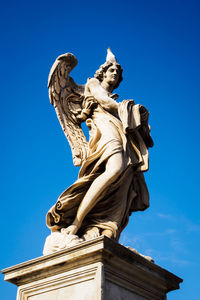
{"points": [[185, 223], [164, 216], [167, 238], [171, 231], [177, 245], [190, 226], [150, 252], [134, 242], [175, 260]]}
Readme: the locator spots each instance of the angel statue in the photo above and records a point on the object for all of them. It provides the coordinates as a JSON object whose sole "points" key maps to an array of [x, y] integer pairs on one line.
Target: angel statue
{"points": [[111, 184]]}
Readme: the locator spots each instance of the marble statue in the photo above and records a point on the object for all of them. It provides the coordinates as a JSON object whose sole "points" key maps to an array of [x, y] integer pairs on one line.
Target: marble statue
{"points": [[111, 184]]}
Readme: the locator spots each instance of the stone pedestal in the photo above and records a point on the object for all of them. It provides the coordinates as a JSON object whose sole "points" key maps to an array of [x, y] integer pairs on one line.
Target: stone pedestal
{"points": [[94, 270]]}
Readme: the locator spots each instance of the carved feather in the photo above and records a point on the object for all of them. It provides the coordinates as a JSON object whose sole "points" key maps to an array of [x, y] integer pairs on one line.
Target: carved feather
{"points": [[66, 96]]}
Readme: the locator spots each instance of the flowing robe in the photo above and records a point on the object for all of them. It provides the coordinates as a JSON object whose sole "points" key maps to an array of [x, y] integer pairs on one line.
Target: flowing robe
{"points": [[129, 134]]}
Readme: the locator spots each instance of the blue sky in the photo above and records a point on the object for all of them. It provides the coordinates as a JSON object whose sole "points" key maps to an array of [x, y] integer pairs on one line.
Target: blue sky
{"points": [[157, 44]]}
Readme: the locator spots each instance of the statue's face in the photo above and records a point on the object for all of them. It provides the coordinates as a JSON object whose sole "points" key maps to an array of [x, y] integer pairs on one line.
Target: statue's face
{"points": [[111, 76]]}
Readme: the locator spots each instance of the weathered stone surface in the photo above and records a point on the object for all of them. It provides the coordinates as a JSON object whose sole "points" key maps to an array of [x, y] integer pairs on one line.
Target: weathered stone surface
{"points": [[99, 269], [57, 241], [112, 161]]}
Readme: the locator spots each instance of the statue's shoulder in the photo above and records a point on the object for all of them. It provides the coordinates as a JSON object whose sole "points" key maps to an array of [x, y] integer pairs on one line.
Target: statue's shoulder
{"points": [[92, 81]]}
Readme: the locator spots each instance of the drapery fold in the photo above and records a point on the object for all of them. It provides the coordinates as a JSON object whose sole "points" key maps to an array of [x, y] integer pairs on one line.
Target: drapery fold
{"points": [[131, 137]]}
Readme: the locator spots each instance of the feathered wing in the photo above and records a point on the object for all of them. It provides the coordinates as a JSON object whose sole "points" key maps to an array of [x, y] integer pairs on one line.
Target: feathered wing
{"points": [[66, 96]]}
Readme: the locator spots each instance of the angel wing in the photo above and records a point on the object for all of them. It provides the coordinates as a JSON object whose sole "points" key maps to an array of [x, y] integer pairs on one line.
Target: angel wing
{"points": [[66, 97]]}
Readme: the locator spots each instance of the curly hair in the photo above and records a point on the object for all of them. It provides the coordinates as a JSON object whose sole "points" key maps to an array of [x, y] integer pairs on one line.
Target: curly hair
{"points": [[103, 68]]}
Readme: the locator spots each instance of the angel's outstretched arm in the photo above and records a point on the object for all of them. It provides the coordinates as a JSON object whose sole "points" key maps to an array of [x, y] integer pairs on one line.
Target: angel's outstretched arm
{"points": [[101, 95]]}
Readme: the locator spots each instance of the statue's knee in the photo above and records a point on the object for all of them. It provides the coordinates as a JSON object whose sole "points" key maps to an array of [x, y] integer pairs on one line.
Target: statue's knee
{"points": [[115, 166]]}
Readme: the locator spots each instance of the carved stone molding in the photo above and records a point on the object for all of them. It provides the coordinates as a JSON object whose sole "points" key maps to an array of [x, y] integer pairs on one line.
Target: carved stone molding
{"points": [[97, 269]]}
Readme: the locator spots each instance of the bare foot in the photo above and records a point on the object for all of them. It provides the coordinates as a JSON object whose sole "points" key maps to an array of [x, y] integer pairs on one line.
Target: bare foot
{"points": [[72, 229], [108, 233], [91, 233]]}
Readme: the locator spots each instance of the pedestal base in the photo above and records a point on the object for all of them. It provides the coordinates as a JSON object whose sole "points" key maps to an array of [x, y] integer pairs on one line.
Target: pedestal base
{"points": [[99, 269]]}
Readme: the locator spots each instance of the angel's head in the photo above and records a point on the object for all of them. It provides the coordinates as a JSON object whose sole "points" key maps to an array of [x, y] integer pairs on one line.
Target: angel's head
{"points": [[110, 72]]}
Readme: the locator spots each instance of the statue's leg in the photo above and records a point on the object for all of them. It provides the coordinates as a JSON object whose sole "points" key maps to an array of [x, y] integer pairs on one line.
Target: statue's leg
{"points": [[114, 167]]}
